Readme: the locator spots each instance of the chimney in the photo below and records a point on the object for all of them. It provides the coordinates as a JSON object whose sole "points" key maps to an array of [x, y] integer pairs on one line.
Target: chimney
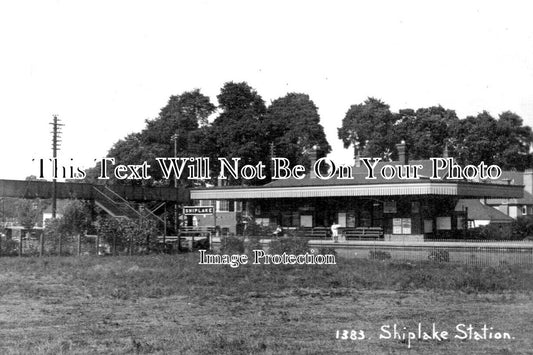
{"points": [[272, 156], [402, 153], [222, 182], [445, 154], [357, 154], [528, 180], [312, 160]]}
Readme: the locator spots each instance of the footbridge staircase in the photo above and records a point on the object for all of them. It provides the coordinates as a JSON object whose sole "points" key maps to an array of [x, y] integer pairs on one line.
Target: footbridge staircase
{"points": [[120, 208]]}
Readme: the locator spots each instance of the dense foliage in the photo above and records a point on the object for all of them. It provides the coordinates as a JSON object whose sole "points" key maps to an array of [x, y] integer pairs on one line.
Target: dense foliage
{"points": [[127, 235], [243, 127], [375, 130]]}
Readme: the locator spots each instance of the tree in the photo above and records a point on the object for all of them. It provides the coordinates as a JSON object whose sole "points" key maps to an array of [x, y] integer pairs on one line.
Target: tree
{"points": [[504, 141], [245, 128], [514, 140], [425, 131], [236, 132], [185, 115], [29, 213], [8, 208], [473, 139], [292, 123], [235, 98], [370, 125], [76, 218]]}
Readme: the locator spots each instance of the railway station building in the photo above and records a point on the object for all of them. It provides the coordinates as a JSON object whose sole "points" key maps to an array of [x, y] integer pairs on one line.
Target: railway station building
{"points": [[406, 209]]}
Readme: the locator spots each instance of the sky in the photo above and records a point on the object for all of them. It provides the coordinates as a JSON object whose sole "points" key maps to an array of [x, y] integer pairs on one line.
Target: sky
{"points": [[104, 67]]}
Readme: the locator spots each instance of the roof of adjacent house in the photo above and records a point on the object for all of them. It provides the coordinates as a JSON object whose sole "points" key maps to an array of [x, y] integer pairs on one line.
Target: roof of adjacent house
{"points": [[479, 211], [513, 178]]}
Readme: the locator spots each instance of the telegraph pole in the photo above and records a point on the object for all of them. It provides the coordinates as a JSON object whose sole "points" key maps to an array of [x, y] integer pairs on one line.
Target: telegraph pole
{"points": [[175, 139], [56, 143]]}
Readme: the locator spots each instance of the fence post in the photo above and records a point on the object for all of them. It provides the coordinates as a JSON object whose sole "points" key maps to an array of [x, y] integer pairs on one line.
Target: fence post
{"points": [[41, 245], [20, 245], [60, 243], [130, 251], [97, 244], [114, 245], [79, 244]]}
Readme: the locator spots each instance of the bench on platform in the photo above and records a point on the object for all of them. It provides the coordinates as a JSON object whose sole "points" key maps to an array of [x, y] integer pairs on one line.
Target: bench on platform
{"points": [[317, 232], [363, 233]]}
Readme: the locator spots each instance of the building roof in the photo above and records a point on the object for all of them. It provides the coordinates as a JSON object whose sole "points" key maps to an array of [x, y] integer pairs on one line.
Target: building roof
{"points": [[359, 185], [480, 212], [359, 176]]}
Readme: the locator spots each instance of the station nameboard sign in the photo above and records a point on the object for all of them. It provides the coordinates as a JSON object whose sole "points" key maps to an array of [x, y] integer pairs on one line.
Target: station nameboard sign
{"points": [[196, 210]]}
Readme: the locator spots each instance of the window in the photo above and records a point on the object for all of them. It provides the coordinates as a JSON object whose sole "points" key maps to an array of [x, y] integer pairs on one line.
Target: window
{"points": [[444, 223], [341, 219], [290, 219], [306, 221], [351, 219], [262, 221], [389, 207], [524, 210], [223, 206], [428, 226], [206, 203], [238, 206], [460, 222], [365, 219]]}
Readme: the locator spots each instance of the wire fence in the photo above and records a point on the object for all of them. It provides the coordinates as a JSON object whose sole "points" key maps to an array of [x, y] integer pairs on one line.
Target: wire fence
{"points": [[74, 246], [84, 245], [471, 252]]}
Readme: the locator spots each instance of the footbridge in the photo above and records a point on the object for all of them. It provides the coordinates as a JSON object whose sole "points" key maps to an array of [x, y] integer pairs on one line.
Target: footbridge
{"points": [[85, 191], [117, 200]]}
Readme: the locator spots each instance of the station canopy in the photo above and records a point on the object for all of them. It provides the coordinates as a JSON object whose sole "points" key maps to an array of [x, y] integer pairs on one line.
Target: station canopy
{"points": [[358, 185]]}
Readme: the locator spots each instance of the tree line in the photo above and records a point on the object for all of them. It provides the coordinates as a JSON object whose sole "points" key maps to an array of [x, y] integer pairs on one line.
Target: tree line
{"points": [[245, 126], [427, 132]]}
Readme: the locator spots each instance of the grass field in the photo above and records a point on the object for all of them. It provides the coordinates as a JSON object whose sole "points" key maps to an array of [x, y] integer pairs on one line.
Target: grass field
{"points": [[170, 304]]}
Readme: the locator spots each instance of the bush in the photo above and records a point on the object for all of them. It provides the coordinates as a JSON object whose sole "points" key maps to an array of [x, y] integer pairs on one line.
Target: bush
{"points": [[231, 245], [439, 255], [379, 255], [9, 247], [252, 243], [492, 232], [522, 227], [289, 245], [254, 229], [122, 233], [327, 251]]}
